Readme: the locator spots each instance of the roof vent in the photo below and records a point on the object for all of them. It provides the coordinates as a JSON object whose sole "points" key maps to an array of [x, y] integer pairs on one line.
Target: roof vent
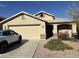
{"points": [[41, 15], [23, 18]]}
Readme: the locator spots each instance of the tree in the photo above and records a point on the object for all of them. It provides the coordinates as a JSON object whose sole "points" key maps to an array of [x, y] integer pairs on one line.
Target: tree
{"points": [[2, 18], [74, 11]]}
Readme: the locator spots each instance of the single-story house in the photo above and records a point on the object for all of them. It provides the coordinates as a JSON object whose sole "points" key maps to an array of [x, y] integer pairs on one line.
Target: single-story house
{"points": [[41, 25], [30, 27], [55, 25]]}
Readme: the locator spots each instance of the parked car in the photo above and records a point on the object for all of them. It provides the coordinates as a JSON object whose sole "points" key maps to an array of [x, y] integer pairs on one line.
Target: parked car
{"points": [[7, 37]]}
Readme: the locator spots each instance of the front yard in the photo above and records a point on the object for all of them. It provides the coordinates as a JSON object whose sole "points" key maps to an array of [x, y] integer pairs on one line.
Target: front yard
{"points": [[55, 44], [56, 49]]}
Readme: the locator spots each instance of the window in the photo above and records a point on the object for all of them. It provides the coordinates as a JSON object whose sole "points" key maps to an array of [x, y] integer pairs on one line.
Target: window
{"points": [[12, 32], [53, 17], [0, 33], [41, 15], [23, 18], [6, 33]]}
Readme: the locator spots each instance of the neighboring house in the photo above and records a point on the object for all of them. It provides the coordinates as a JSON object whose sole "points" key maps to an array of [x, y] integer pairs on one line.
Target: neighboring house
{"points": [[41, 25]]}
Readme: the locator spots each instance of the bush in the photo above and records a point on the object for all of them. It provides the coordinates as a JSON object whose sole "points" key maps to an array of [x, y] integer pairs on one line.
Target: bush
{"points": [[57, 45]]}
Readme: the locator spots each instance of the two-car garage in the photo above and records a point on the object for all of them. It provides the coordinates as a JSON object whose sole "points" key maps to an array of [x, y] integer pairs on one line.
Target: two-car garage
{"points": [[27, 25]]}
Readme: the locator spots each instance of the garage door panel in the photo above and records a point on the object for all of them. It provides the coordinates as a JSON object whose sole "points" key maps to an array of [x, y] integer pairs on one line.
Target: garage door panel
{"points": [[28, 32]]}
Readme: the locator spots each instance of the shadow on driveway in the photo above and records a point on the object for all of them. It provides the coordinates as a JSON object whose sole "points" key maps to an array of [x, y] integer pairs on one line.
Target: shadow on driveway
{"points": [[16, 45]]}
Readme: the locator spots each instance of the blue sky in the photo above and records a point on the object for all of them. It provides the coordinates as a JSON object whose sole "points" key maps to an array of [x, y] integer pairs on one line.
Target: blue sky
{"points": [[58, 8]]}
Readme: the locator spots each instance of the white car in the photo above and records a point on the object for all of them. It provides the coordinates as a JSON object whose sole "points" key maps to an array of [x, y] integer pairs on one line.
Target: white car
{"points": [[7, 37]]}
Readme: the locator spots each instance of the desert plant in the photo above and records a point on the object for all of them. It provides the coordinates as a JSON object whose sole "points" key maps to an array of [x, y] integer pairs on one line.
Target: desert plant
{"points": [[57, 45]]}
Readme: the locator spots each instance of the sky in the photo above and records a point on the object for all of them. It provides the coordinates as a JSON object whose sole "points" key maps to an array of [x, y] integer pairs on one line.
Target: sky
{"points": [[58, 8]]}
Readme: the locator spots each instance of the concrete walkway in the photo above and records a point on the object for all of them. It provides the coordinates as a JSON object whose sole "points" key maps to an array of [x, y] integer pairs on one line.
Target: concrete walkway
{"points": [[25, 51]]}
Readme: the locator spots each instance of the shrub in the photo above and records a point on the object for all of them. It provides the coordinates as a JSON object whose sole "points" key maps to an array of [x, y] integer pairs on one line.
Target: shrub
{"points": [[57, 45]]}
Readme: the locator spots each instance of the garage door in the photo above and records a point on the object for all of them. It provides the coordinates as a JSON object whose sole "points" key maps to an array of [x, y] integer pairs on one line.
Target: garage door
{"points": [[27, 32]]}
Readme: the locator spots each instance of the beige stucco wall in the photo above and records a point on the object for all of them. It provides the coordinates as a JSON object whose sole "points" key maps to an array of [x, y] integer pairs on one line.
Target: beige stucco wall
{"points": [[46, 17], [20, 20], [54, 31], [39, 30]]}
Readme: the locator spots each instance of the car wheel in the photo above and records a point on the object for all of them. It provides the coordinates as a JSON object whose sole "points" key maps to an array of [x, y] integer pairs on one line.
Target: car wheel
{"points": [[20, 39], [3, 47]]}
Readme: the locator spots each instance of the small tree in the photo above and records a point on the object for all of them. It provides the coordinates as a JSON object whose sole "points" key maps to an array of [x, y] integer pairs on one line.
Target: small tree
{"points": [[74, 13]]}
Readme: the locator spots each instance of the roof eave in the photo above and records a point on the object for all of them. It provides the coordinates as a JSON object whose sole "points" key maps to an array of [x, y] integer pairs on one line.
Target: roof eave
{"points": [[2, 22], [60, 22], [45, 13]]}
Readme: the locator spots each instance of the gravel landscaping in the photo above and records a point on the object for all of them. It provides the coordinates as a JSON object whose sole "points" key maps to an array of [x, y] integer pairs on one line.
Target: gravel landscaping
{"points": [[42, 52]]}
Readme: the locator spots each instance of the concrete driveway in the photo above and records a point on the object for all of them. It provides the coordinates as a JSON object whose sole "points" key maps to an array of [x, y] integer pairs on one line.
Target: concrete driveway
{"points": [[24, 50]]}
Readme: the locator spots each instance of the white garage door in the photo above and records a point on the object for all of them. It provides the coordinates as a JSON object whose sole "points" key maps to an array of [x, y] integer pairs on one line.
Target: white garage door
{"points": [[27, 32]]}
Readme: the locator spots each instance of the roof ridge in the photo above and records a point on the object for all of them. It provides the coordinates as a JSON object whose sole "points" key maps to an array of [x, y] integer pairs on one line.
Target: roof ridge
{"points": [[43, 12], [18, 14]]}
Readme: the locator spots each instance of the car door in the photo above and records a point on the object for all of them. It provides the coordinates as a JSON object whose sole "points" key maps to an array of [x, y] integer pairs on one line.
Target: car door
{"points": [[14, 35], [9, 38]]}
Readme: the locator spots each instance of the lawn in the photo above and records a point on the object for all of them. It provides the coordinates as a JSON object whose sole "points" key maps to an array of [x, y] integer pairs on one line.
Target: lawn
{"points": [[55, 44]]}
